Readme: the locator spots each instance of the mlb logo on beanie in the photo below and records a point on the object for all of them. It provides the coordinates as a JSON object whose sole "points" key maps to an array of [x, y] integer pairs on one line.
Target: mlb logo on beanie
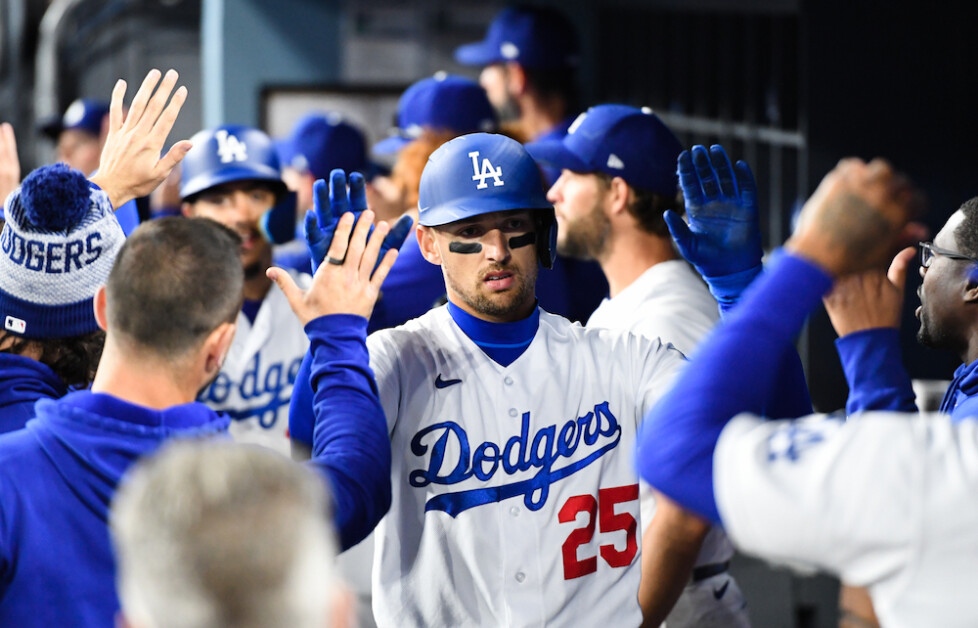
{"points": [[56, 248]]}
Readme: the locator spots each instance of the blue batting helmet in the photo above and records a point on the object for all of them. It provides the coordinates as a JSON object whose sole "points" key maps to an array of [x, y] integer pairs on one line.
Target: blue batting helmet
{"points": [[483, 173], [233, 153]]}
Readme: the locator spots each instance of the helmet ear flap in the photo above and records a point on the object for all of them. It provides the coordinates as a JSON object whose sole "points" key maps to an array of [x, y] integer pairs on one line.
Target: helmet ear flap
{"points": [[278, 223]]}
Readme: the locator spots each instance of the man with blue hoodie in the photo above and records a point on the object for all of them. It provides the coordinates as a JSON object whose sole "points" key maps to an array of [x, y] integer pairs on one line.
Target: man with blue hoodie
{"points": [[169, 310], [57, 247]]}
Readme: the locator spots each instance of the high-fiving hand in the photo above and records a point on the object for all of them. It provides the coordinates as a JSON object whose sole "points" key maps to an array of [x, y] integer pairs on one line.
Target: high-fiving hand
{"points": [[130, 165], [9, 162], [723, 236], [350, 286], [859, 215], [331, 203]]}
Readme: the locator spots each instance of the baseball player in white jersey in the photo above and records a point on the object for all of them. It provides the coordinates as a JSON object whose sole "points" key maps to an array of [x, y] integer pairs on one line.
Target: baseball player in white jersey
{"points": [[232, 175], [884, 500], [515, 500], [618, 175]]}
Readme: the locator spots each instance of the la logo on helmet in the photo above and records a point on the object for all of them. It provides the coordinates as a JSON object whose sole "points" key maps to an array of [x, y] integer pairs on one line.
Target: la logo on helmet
{"points": [[487, 171], [230, 148]]}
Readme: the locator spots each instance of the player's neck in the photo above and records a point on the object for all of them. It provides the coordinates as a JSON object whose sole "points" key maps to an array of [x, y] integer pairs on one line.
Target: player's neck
{"points": [[970, 354], [631, 254], [539, 116], [142, 380]]}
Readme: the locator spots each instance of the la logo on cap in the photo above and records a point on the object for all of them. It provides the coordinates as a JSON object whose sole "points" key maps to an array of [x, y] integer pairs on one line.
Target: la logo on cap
{"points": [[16, 325], [487, 171], [230, 148]]}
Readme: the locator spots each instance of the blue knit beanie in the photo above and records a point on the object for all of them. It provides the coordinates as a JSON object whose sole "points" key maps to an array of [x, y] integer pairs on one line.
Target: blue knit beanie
{"points": [[56, 248]]}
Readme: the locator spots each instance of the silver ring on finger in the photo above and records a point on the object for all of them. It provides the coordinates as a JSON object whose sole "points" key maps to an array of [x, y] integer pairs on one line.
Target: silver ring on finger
{"points": [[333, 260]]}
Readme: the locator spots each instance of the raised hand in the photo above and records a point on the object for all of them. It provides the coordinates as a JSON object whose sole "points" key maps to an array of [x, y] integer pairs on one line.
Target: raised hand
{"points": [[869, 300], [330, 203], [130, 165], [723, 236], [859, 215], [347, 283], [9, 162]]}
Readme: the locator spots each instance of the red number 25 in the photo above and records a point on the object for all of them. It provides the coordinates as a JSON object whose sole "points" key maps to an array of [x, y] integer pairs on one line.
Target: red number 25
{"points": [[608, 521]]}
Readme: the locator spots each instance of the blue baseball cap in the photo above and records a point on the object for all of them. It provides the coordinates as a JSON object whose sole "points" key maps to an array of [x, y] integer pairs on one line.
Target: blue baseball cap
{"points": [[534, 37], [443, 101], [321, 142], [83, 115], [618, 140], [482, 173], [478, 174]]}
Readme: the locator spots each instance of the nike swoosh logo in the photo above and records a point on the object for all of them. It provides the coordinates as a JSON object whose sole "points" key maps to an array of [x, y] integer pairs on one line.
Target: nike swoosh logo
{"points": [[718, 593], [445, 383]]}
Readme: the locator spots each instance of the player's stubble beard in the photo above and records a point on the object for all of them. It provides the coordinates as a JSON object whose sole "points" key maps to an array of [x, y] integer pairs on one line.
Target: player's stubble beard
{"points": [[930, 335], [586, 237], [499, 305]]}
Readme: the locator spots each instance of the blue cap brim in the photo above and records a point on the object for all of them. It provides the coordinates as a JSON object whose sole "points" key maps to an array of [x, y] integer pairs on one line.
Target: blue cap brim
{"points": [[554, 153], [479, 53], [390, 145]]}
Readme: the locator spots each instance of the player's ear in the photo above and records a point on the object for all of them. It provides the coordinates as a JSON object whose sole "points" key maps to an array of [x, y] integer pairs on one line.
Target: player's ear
{"points": [[971, 288], [427, 244], [99, 304], [216, 348], [515, 79], [618, 197], [187, 209]]}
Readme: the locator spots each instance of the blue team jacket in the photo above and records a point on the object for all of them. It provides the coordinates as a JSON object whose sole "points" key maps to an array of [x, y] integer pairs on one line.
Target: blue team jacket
{"points": [[57, 478], [58, 475], [22, 382], [961, 398]]}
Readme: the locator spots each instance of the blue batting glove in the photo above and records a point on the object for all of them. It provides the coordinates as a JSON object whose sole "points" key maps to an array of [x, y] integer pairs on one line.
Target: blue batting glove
{"points": [[723, 237], [329, 203]]}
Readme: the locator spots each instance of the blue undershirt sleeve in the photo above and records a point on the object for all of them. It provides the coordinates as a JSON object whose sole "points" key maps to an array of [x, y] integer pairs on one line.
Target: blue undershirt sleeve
{"points": [[874, 370], [792, 399], [350, 443], [737, 369], [302, 419]]}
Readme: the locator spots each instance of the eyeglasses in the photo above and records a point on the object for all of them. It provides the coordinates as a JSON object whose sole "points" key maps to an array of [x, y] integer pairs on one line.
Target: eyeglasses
{"points": [[928, 250]]}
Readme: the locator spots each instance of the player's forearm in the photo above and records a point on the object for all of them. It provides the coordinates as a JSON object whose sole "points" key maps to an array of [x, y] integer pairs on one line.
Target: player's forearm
{"points": [[350, 442], [791, 399], [302, 418], [738, 369], [873, 366], [670, 546]]}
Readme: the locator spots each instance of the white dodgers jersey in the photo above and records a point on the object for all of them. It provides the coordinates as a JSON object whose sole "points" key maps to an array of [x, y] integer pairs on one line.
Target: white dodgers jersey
{"points": [[885, 501], [255, 384], [515, 498]]}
